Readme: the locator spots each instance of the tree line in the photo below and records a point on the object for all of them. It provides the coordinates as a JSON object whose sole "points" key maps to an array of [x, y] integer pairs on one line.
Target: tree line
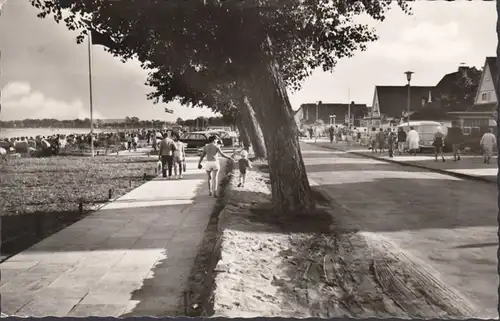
{"points": [[239, 58], [128, 122]]}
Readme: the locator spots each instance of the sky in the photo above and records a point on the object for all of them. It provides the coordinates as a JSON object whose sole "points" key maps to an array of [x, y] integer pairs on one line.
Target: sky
{"points": [[44, 73]]}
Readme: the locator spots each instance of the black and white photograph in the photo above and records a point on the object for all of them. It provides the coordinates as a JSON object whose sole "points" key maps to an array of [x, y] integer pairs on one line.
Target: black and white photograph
{"points": [[249, 158]]}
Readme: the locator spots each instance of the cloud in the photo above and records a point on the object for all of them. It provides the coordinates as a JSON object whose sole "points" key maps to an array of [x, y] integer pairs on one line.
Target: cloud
{"points": [[15, 89], [20, 101], [425, 41]]}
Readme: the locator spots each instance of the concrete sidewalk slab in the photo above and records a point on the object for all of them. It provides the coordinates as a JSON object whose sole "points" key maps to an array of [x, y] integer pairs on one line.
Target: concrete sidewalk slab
{"points": [[132, 257]]}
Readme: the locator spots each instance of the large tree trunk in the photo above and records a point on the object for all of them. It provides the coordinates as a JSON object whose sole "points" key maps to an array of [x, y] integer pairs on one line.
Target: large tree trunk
{"points": [[244, 137], [269, 99], [253, 128]]}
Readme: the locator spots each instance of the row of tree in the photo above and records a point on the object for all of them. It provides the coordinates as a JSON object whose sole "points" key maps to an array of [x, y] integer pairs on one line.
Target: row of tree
{"points": [[128, 122], [238, 58], [46, 123]]}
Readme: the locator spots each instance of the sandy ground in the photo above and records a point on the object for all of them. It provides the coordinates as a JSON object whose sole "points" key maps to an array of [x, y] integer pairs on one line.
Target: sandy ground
{"points": [[315, 267]]}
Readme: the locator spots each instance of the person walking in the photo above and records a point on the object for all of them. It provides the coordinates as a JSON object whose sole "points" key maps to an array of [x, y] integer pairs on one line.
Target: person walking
{"points": [[413, 138], [455, 138], [212, 166], [373, 139], [331, 132], [438, 144], [129, 142], [179, 157], [166, 155], [391, 138], [381, 140], [244, 164], [135, 142], [488, 143], [401, 140]]}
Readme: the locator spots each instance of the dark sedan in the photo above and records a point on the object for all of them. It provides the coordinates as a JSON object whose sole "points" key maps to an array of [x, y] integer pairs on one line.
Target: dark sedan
{"points": [[227, 139], [196, 140]]}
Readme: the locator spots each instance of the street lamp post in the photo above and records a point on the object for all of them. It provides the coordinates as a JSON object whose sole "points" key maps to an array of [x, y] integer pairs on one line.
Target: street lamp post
{"points": [[349, 114], [317, 110], [408, 77]]}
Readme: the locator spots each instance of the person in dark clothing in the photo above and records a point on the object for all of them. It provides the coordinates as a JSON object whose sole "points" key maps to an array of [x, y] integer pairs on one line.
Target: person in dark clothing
{"points": [[390, 142], [331, 132], [166, 155], [401, 140], [455, 137]]}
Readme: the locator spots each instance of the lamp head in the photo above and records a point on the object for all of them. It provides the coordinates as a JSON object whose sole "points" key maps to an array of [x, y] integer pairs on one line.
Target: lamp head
{"points": [[408, 75]]}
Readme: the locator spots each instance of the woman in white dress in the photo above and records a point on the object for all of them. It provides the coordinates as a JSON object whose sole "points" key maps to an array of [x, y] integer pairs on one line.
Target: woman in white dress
{"points": [[413, 138]]}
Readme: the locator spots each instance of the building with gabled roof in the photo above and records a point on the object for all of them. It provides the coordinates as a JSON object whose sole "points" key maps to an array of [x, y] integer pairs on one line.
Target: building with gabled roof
{"points": [[451, 94], [391, 102], [483, 113]]}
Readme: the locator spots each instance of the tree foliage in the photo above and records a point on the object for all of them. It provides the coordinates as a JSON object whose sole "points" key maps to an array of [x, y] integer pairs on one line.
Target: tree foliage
{"points": [[190, 44], [460, 93], [213, 52]]}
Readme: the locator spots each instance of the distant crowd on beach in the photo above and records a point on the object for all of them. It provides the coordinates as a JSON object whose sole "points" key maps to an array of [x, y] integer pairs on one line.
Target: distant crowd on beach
{"points": [[105, 141]]}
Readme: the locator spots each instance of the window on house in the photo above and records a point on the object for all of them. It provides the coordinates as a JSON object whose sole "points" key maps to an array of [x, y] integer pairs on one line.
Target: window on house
{"points": [[485, 96]]}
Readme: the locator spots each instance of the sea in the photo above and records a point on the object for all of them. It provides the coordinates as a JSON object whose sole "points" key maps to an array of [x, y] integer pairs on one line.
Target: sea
{"points": [[32, 132]]}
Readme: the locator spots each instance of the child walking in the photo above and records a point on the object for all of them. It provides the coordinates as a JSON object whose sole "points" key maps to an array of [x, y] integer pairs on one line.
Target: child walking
{"points": [[244, 164]]}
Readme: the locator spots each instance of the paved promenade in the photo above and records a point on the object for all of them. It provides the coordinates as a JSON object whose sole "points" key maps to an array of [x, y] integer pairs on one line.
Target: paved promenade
{"points": [[447, 223], [469, 165], [130, 258]]}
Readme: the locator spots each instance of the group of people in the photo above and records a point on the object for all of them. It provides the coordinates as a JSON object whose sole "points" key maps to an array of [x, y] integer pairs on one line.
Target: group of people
{"points": [[411, 140], [379, 139], [172, 156], [48, 145], [53, 144], [341, 134]]}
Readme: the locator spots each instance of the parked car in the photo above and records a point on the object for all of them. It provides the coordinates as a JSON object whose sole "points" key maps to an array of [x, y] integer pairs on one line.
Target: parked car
{"points": [[195, 140], [228, 138], [426, 131]]}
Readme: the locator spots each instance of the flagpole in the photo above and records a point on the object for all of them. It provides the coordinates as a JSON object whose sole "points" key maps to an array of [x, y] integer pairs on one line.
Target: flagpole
{"points": [[90, 95], [349, 107]]}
